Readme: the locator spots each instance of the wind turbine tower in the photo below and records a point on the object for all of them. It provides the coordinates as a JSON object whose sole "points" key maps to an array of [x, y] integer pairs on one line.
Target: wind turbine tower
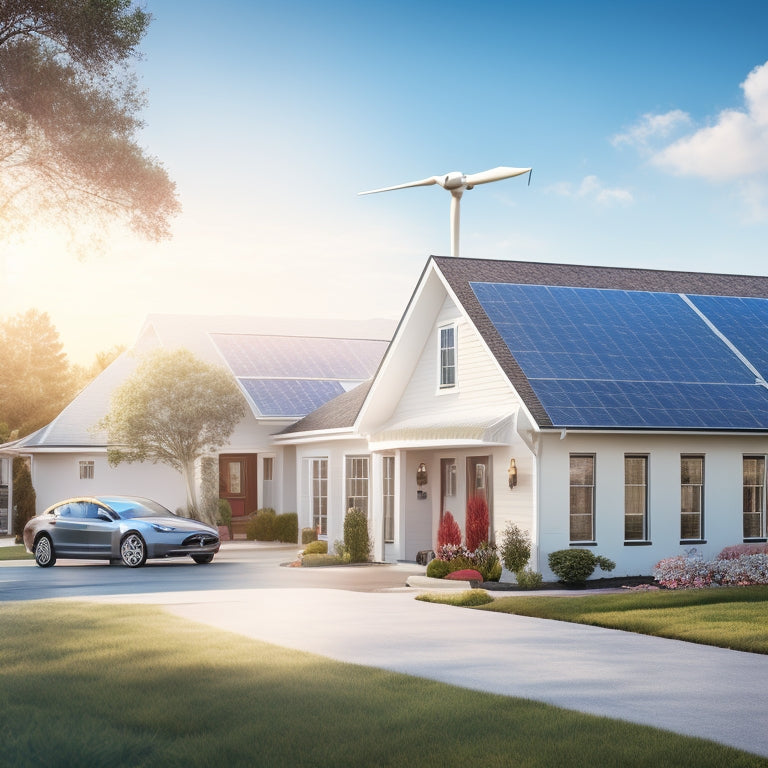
{"points": [[456, 182]]}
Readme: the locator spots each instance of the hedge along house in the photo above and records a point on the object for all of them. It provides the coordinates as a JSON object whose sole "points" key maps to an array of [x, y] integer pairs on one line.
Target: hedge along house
{"points": [[622, 410], [284, 368]]}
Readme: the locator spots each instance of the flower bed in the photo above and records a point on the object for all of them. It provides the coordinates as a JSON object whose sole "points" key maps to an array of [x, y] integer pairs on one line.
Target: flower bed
{"points": [[729, 569]]}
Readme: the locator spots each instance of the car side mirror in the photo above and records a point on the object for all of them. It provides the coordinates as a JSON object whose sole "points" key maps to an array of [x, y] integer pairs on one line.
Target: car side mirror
{"points": [[105, 517]]}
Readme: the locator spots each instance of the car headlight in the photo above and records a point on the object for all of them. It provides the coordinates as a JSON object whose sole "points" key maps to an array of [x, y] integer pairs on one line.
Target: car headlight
{"points": [[162, 528]]}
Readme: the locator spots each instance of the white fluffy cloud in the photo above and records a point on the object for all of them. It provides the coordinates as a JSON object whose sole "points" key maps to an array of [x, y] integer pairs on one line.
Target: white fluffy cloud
{"points": [[733, 147], [592, 189], [652, 127]]}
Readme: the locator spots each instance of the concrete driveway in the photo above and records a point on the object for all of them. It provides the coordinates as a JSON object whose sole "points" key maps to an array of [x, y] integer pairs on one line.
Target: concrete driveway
{"points": [[691, 689]]}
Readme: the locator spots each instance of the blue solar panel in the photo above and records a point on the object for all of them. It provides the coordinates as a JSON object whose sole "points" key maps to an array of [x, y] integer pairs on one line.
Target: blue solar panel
{"points": [[613, 358], [290, 397], [300, 357], [744, 321]]}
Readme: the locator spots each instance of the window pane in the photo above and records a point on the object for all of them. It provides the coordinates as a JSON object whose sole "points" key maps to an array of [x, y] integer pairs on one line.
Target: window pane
{"points": [[635, 497], [388, 497], [753, 503], [447, 357], [582, 498], [357, 482]]}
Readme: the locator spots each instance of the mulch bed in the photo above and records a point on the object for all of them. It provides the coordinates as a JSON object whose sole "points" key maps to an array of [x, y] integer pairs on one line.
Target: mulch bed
{"points": [[617, 582]]}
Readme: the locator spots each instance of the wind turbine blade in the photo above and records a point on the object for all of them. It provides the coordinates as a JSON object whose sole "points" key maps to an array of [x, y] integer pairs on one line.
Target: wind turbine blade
{"points": [[422, 183], [494, 174]]}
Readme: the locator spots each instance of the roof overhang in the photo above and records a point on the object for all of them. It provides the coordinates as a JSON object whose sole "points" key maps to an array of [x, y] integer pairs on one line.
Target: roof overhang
{"points": [[455, 429]]}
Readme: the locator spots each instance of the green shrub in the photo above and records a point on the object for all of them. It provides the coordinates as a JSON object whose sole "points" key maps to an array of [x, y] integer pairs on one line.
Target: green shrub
{"points": [[460, 563], [224, 514], [529, 579], [515, 549], [287, 527], [261, 527], [315, 561], [575, 566], [24, 496], [316, 548], [487, 562], [357, 542], [467, 599], [438, 569], [308, 534]]}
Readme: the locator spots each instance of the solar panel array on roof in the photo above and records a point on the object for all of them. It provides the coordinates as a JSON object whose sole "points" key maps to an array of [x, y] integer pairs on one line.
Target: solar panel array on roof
{"points": [[300, 357], [290, 397], [635, 359], [291, 376]]}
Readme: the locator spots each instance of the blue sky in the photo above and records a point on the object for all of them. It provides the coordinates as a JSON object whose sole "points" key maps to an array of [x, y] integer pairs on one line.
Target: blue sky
{"points": [[646, 124]]}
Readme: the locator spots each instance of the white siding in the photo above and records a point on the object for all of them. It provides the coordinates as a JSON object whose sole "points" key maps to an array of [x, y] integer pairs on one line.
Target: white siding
{"points": [[480, 383], [722, 494], [56, 476]]}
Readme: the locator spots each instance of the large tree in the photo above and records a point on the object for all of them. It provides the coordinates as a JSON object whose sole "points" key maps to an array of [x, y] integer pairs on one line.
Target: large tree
{"points": [[173, 409], [35, 378], [69, 113]]}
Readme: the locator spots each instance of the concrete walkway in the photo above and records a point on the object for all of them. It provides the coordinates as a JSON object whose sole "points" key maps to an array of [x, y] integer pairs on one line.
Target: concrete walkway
{"points": [[691, 689]]}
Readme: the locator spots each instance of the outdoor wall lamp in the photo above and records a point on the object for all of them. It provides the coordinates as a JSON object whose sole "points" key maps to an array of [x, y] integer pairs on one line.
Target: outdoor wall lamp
{"points": [[421, 474], [512, 473]]}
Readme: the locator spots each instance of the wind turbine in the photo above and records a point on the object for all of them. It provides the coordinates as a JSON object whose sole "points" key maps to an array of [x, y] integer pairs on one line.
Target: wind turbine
{"points": [[456, 182]]}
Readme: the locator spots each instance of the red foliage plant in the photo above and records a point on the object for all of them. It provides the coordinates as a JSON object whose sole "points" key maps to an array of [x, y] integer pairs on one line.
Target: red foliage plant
{"points": [[448, 531], [477, 522]]}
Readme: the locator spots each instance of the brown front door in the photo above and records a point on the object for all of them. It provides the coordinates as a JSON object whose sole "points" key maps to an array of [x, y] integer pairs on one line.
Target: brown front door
{"points": [[237, 482]]}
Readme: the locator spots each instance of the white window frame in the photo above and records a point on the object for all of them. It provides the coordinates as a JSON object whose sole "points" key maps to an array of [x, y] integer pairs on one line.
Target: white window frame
{"points": [[693, 492], [388, 490], [267, 481], [318, 494], [447, 383], [630, 490], [753, 498], [87, 469], [357, 486], [589, 496]]}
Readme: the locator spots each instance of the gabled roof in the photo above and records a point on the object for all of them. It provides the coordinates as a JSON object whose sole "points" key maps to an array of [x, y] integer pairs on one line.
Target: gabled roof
{"points": [[337, 414], [613, 348]]}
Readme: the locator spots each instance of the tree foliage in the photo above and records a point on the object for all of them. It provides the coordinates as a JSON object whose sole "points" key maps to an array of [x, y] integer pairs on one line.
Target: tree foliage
{"points": [[477, 522], [448, 532], [35, 381], [69, 112], [174, 409], [24, 496]]}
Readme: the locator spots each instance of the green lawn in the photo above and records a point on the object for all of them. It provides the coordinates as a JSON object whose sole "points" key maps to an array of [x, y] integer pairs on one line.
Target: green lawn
{"points": [[88, 685], [729, 617], [15, 552]]}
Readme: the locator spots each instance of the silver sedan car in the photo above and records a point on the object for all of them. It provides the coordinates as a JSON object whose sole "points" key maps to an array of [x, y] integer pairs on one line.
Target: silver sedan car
{"points": [[117, 528]]}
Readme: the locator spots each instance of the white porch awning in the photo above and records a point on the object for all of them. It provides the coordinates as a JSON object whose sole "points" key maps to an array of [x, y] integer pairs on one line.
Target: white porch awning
{"points": [[475, 427]]}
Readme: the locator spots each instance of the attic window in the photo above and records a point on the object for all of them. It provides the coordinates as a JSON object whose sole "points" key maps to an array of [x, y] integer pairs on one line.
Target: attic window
{"points": [[447, 357]]}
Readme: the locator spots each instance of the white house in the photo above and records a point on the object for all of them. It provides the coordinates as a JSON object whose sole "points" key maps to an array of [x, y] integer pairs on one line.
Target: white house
{"points": [[623, 410], [284, 368], [617, 409]]}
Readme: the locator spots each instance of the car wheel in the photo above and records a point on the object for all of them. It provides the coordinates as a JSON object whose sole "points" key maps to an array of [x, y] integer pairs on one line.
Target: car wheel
{"points": [[133, 550], [202, 559], [45, 556]]}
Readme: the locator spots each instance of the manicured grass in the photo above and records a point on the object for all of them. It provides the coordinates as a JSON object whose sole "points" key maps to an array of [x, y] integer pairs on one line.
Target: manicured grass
{"points": [[729, 617], [88, 685], [15, 552]]}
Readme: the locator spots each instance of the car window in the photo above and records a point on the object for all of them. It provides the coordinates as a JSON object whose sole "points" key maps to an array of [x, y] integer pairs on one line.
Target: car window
{"points": [[128, 508], [91, 510], [78, 509]]}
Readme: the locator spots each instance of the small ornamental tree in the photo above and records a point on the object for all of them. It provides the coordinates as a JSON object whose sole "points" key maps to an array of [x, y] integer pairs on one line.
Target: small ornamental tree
{"points": [[174, 409], [448, 531], [357, 542], [515, 548], [477, 522], [24, 497]]}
